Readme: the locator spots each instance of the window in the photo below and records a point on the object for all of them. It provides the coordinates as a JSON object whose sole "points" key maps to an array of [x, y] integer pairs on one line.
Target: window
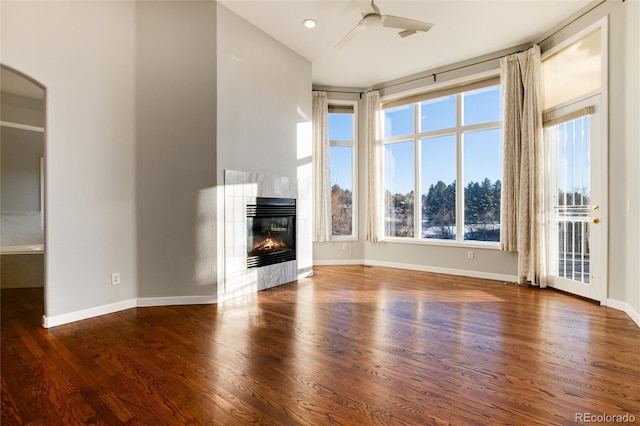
{"points": [[342, 153], [432, 142], [563, 81]]}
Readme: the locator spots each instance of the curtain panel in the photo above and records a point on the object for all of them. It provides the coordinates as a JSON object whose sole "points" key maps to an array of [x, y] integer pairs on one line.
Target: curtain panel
{"points": [[522, 219], [321, 171], [374, 169]]}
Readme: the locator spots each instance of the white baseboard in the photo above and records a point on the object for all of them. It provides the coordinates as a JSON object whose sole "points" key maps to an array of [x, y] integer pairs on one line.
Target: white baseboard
{"points": [[145, 302], [338, 262], [52, 321], [624, 307], [422, 268]]}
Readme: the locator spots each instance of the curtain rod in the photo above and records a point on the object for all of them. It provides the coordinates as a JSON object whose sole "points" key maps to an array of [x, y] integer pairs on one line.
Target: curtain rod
{"points": [[359, 93], [434, 75], [341, 91], [572, 21]]}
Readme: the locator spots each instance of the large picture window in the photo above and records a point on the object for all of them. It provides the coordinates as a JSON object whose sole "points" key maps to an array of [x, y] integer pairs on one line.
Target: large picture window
{"points": [[342, 137], [432, 142]]}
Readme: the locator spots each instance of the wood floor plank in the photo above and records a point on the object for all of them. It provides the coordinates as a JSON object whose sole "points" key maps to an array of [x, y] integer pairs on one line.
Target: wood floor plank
{"points": [[351, 345]]}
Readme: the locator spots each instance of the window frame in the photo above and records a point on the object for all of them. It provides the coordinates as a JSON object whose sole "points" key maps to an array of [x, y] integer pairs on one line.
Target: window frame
{"points": [[354, 167], [452, 88]]}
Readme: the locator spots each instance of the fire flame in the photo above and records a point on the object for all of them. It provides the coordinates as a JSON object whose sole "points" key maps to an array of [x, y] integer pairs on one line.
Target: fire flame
{"points": [[269, 244]]}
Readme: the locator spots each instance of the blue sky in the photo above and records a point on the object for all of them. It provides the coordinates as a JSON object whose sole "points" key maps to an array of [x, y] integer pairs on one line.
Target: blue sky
{"points": [[572, 148], [482, 149], [341, 129]]}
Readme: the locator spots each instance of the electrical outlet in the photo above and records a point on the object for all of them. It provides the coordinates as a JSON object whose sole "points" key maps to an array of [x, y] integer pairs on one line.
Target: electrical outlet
{"points": [[470, 254], [344, 246], [115, 278]]}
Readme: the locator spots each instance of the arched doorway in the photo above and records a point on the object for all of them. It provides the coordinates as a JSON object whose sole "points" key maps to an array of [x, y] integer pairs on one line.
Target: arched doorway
{"points": [[23, 183]]}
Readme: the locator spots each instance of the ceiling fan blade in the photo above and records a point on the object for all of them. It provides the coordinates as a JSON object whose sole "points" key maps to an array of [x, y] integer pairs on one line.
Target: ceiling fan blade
{"points": [[406, 33], [354, 32], [367, 7], [390, 21]]}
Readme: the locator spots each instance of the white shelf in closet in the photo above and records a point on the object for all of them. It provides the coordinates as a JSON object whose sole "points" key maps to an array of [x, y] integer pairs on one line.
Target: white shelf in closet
{"points": [[21, 126]]}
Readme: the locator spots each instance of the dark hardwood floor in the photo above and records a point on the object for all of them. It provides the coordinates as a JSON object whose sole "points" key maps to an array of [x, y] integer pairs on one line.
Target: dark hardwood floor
{"points": [[351, 345]]}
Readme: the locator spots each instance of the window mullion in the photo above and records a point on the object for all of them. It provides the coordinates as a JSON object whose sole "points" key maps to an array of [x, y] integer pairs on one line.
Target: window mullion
{"points": [[471, 134], [417, 197], [459, 169], [348, 216]]}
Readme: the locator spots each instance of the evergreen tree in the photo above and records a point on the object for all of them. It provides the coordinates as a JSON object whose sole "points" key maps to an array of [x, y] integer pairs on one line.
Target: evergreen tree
{"points": [[482, 210], [399, 215], [439, 209]]}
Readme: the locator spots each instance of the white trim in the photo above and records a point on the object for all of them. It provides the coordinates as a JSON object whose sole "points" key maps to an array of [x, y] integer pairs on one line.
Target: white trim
{"points": [[355, 190], [489, 245], [601, 100], [604, 151], [599, 24], [338, 262], [305, 273], [417, 137], [625, 307], [433, 86], [421, 268], [53, 321], [611, 303], [176, 300]]}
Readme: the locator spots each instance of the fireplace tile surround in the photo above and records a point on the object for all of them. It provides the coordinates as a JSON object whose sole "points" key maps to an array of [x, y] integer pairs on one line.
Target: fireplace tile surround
{"points": [[242, 188]]}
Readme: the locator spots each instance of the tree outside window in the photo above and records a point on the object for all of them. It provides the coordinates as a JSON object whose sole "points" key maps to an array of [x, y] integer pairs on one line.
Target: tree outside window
{"points": [[456, 137], [341, 121]]}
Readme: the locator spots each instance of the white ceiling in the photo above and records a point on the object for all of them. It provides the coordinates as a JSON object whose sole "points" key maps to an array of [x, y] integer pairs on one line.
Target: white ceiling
{"points": [[462, 30]]}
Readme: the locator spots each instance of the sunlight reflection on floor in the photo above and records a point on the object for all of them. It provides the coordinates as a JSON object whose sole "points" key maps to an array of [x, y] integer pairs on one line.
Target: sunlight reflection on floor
{"points": [[373, 296]]}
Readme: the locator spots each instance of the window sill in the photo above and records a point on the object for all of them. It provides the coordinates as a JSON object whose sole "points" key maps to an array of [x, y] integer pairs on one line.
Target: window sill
{"points": [[343, 238], [444, 243]]}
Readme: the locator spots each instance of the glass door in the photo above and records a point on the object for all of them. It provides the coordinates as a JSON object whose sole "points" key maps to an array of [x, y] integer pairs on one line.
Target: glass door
{"points": [[575, 202]]}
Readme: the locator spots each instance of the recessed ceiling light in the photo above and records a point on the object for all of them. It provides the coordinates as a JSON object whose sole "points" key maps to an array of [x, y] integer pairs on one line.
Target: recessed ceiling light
{"points": [[309, 23]]}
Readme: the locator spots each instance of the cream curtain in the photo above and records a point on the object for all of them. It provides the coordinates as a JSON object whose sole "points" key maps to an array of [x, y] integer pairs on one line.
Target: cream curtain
{"points": [[374, 169], [522, 219], [321, 172]]}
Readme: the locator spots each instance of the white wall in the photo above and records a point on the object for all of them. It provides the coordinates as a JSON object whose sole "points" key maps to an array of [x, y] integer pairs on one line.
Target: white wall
{"points": [[84, 54], [624, 176], [487, 262], [624, 147], [175, 154], [264, 109], [118, 141], [627, 88], [264, 95], [133, 152]]}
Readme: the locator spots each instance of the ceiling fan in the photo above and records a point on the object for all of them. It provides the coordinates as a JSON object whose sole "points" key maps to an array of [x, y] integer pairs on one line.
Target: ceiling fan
{"points": [[371, 17]]}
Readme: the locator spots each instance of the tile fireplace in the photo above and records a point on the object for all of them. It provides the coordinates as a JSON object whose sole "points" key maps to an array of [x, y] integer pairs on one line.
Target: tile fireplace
{"points": [[267, 228]]}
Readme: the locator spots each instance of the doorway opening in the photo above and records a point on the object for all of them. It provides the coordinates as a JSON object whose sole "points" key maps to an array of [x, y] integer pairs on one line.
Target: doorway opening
{"points": [[23, 182], [576, 139], [575, 200]]}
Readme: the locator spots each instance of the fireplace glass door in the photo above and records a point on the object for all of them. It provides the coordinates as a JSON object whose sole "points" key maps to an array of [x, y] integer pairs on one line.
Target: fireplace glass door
{"points": [[271, 234]]}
